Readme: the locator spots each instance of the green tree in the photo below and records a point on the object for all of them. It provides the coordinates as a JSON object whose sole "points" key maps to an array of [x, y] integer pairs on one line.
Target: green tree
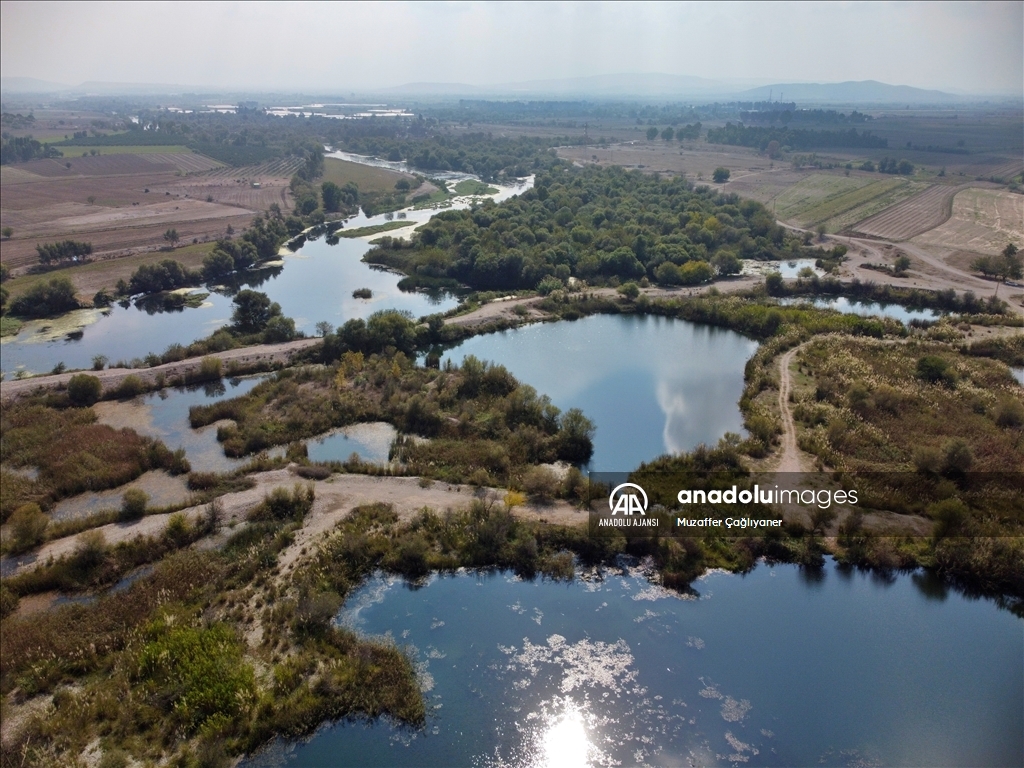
{"points": [[902, 264], [55, 296], [726, 263], [331, 194], [171, 236], [575, 437], [652, 133], [721, 175], [253, 310], [668, 133], [7, 232]]}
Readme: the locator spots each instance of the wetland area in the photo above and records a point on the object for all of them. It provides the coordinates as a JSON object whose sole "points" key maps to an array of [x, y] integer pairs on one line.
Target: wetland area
{"points": [[372, 549]]}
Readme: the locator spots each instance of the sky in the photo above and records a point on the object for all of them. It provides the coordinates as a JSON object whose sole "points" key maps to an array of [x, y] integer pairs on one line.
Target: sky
{"points": [[338, 47]]}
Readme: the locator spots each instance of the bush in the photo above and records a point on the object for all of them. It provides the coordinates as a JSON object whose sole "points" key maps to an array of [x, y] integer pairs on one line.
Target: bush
{"points": [[279, 504], [541, 483], [28, 526], [84, 390], [630, 290], [53, 297], [133, 504], [720, 175], [131, 386], [1010, 414], [935, 370]]}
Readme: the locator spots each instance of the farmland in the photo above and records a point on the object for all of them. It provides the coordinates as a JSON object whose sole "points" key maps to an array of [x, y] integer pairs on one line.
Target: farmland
{"points": [[125, 201], [367, 178], [917, 214], [835, 200], [982, 221]]}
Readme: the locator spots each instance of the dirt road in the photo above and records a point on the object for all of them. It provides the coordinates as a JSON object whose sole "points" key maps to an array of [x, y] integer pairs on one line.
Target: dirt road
{"points": [[111, 378], [792, 459]]}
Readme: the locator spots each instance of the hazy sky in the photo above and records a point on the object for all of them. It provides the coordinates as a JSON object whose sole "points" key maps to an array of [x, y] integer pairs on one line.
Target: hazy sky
{"points": [[965, 47]]}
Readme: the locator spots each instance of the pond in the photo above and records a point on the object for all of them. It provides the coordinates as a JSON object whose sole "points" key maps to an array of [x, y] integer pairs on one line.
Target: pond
{"points": [[371, 442], [164, 415], [778, 667], [866, 308], [652, 385]]}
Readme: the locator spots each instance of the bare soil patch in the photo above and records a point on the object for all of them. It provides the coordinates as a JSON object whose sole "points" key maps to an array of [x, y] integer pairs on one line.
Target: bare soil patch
{"points": [[982, 221]]}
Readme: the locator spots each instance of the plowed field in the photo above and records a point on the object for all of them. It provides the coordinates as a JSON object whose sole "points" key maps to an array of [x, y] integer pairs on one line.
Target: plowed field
{"points": [[913, 216]]}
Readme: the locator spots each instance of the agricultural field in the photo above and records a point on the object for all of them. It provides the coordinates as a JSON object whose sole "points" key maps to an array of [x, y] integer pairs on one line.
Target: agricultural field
{"points": [[367, 178], [822, 197], [925, 210], [983, 221], [124, 202]]}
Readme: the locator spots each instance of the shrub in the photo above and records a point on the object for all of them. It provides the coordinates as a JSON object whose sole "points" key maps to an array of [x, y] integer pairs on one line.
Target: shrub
{"points": [[362, 293], [958, 456], [1010, 414], [84, 390], [279, 504], [541, 483], [630, 290], [935, 370], [133, 504], [130, 386], [28, 525]]}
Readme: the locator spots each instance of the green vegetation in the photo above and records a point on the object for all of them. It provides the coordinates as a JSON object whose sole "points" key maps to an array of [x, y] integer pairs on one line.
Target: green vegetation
{"points": [[375, 229], [21, 149], [793, 138], [64, 251], [591, 223], [46, 298], [474, 187], [479, 417], [477, 153]]}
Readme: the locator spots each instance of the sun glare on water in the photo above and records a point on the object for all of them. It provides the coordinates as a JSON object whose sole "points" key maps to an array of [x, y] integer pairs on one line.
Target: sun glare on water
{"points": [[565, 743]]}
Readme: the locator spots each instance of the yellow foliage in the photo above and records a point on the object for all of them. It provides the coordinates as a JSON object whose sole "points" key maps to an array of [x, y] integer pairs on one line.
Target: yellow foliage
{"points": [[514, 499]]}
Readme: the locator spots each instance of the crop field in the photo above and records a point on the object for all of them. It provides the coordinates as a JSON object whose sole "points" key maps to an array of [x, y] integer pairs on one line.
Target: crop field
{"points": [[282, 167], [367, 178], [823, 198], [925, 210], [983, 221], [124, 202]]}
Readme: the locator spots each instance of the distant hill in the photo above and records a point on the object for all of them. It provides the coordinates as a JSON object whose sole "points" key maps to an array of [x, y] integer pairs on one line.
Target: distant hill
{"points": [[850, 92]]}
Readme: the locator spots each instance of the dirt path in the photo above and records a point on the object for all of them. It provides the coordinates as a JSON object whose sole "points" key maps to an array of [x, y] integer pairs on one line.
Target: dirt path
{"points": [[335, 498], [792, 458], [111, 378]]}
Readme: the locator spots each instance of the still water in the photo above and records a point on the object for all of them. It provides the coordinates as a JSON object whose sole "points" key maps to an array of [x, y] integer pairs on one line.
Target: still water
{"points": [[778, 667], [652, 385], [867, 308]]}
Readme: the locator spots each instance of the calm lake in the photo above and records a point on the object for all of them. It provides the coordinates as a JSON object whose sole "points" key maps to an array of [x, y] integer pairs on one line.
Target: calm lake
{"points": [[652, 385], [867, 308], [778, 667]]}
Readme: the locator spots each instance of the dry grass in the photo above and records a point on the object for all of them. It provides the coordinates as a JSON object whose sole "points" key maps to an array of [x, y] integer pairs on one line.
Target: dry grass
{"points": [[367, 178]]}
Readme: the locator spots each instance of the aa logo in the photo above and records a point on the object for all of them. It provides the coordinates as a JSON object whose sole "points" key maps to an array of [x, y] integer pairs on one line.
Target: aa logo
{"points": [[629, 499]]}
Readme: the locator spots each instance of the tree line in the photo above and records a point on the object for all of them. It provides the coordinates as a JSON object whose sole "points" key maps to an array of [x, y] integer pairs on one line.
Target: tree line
{"points": [[795, 138]]}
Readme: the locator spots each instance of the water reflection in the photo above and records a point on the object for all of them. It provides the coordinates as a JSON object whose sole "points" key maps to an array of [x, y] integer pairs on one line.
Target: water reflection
{"points": [[866, 308], [652, 385]]}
